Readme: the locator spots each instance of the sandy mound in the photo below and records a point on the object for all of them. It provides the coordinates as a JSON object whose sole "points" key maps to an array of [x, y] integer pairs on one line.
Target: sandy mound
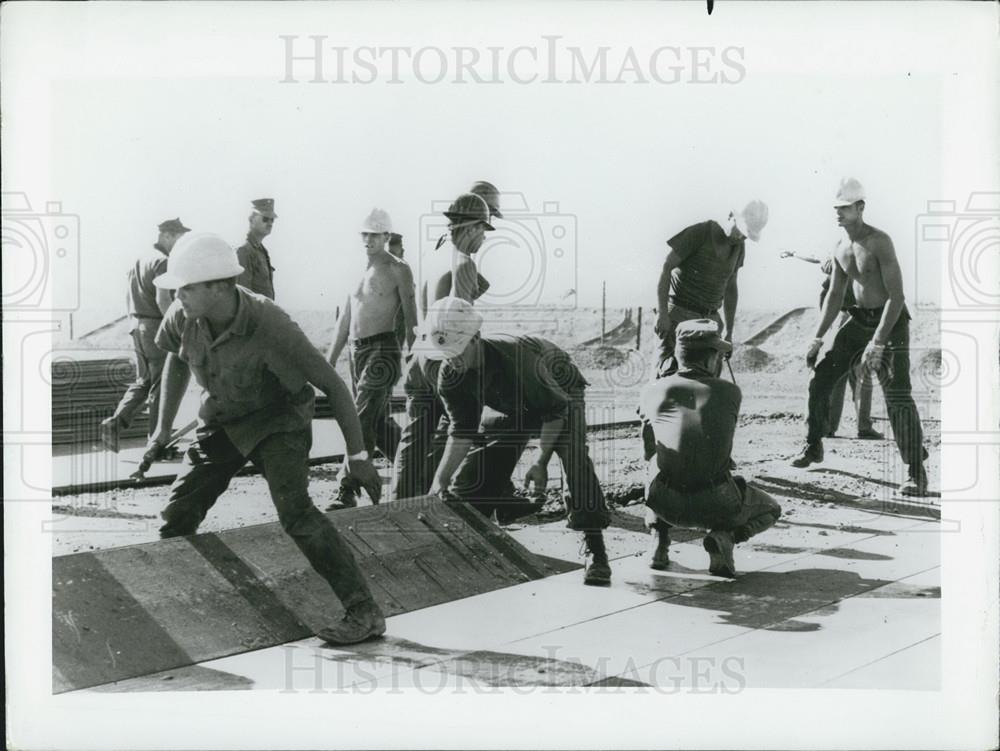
{"points": [[750, 359]]}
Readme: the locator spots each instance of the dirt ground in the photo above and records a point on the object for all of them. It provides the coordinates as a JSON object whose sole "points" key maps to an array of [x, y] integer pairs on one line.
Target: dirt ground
{"points": [[771, 429]]}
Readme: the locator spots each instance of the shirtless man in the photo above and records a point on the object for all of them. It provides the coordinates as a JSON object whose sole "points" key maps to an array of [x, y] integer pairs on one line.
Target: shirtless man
{"points": [[468, 222], [423, 439], [368, 323], [877, 332]]}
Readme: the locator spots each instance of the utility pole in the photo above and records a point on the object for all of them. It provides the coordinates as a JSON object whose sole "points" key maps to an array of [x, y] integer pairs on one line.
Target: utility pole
{"points": [[638, 329]]}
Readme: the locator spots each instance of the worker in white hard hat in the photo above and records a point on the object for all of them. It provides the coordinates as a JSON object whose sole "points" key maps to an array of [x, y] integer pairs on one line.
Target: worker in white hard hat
{"points": [[449, 272], [532, 388], [700, 277], [258, 273], [257, 371], [367, 327], [146, 306], [877, 335]]}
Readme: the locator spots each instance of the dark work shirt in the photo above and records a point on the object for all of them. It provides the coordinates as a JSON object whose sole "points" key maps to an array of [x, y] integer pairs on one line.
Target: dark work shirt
{"points": [[526, 378], [258, 273], [693, 418], [708, 260], [252, 373]]}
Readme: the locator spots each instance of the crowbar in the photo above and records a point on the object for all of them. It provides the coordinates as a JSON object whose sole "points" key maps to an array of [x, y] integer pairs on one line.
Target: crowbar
{"points": [[157, 451]]}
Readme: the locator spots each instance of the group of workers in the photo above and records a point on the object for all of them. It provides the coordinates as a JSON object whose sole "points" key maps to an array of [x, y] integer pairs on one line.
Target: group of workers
{"points": [[257, 371]]}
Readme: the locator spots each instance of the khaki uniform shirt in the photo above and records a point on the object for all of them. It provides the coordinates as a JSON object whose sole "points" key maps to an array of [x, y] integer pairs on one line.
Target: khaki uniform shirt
{"points": [[143, 298], [258, 273], [252, 373]]}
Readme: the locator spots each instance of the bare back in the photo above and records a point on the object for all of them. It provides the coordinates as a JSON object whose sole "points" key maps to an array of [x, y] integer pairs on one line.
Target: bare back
{"points": [[378, 296], [859, 258]]}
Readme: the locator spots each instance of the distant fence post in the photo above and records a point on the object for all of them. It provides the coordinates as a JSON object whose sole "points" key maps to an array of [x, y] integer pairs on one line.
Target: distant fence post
{"points": [[638, 328], [604, 300]]}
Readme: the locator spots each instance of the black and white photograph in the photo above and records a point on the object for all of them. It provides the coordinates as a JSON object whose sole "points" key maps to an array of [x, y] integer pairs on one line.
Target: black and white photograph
{"points": [[501, 375]]}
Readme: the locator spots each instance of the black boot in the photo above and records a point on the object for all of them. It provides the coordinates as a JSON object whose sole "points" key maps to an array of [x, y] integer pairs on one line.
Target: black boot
{"points": [[598, 572]]}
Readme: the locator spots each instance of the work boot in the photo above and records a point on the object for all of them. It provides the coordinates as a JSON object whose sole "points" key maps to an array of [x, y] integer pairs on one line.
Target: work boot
{"points": [[811, 453], [719, 545], [661, 554], [916, 483], [110, 429], [598, 571], [346, 497], [361, 622], [870, 434]]}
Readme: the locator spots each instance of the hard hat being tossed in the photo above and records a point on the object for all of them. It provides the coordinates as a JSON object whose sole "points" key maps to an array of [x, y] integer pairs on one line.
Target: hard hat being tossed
{"points": [[199, 257], [752, 219], [450, 325]]}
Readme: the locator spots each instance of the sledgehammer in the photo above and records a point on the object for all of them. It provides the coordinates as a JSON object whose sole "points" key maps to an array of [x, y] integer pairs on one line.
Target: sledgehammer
{"points": [[157, 451]]}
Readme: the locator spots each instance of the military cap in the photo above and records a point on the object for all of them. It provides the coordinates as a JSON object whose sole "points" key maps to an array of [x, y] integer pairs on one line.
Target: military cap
{"points": [[264, 207], [701, 333], [174, 226]]}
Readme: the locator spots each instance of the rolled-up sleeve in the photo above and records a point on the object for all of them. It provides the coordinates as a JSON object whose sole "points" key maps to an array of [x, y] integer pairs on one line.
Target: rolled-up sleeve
{"points": [[168, 336], [288, 350]]}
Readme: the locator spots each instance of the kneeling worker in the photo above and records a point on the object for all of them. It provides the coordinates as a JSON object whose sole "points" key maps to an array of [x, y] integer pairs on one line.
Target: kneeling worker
{"points": [[536, 389], [693, 416], [257, 370]]}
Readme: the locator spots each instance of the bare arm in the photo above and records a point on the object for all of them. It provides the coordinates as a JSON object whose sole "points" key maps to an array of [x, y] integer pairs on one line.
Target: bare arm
{"points": [[340, 332], [892, 280], [793, 254], [407, 299], [663, 286], [455, 450], [173, 385], [729, 303], [322, 375], [465, 279]]}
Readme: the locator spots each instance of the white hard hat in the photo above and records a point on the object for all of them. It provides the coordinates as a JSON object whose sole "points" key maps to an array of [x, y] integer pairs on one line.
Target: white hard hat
{"points": [[199, 257], [752, 219], [450, 325], [850, 191], [376, 222]]}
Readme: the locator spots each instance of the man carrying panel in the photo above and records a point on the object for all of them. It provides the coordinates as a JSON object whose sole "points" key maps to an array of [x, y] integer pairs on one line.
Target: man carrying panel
{"points": [[257, 370], [535, 389], [693, 416]]}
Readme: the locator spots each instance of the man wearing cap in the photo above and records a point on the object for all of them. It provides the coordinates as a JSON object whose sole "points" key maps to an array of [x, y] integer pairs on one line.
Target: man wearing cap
{"points": [[257, 371], [700, 275], [534, 388], [146, 305], [693, 414], [368, 326], [258, 273], [423, 436], [877, 334]]}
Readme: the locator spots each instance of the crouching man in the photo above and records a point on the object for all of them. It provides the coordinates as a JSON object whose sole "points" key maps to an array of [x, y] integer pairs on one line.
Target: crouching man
{"points": [[693, 417], [256, 369], [536, 390]]}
